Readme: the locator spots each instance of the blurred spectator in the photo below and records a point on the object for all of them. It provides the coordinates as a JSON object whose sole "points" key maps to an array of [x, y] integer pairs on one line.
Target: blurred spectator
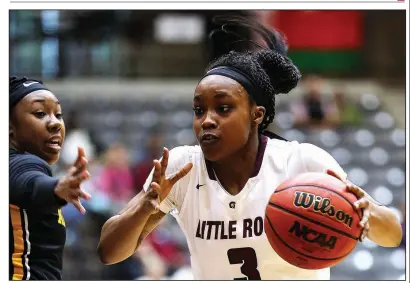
{"points": [[154, 267], [313, 110], [76, 136], [153, 150], [183, 273], [165, 243], [347, 110], [115, 180]]}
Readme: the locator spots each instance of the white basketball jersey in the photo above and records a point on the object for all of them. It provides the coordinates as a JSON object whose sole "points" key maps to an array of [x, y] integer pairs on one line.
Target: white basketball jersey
{"points": [[225, 233]]}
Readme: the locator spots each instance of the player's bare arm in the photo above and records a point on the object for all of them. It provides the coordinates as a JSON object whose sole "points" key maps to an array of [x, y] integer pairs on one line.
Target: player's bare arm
{"points": [[379, 223], [122, 234]]}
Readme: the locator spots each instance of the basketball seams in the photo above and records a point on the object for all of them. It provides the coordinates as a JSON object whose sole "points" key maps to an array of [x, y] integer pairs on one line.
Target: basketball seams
{"points": [[313, 221], [323, 188]]}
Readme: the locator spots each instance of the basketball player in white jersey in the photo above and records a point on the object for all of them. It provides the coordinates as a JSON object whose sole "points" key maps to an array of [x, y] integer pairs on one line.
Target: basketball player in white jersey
{"points": [[218, 191]]}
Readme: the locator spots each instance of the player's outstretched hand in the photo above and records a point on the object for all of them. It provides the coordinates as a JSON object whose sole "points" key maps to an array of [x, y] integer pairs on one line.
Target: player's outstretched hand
{"points": [[362, 203], [68, 187], [160, 185]]}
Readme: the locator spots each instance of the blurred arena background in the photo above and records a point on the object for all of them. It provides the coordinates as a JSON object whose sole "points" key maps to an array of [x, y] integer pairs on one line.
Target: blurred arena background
{"points": [[126, 81]]}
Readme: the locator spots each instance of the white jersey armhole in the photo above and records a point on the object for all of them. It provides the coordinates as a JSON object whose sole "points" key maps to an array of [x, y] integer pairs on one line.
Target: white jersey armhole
{"points": [[316, 159]]}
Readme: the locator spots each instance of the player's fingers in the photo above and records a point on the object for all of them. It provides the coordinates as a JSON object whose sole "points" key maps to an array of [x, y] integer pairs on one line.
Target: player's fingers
{"points": [[365, 232], [81, 164], [159, 195], [164, 161], [364, 205], [156, 187], [362, 236], [361, 203], [78, 205], [355, 190], [79, 177], [73, 193], [80, 154], [82, 176], [71, 171], [181, 173], [334, 174], [84, 195], [156, 177], [365, 218], [76, 180]]}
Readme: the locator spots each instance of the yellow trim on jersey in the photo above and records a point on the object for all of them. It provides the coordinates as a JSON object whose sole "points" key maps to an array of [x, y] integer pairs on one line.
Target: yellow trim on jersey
{"points": [[17, 256], [61, 218]]}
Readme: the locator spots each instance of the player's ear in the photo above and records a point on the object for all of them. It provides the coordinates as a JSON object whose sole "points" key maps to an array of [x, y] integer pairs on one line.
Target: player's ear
{"points": [[258, 114]]}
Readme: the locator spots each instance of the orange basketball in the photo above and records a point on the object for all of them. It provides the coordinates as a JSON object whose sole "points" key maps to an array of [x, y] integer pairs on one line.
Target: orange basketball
{"points": [[310, 221]]}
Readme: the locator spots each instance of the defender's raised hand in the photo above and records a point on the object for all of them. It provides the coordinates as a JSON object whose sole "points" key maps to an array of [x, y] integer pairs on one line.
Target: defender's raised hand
{"points": [[68, 187]]}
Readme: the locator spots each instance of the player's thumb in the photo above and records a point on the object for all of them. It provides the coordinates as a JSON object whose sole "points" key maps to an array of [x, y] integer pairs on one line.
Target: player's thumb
{"points": [[181, 173], [156, 188], [334, 174]]}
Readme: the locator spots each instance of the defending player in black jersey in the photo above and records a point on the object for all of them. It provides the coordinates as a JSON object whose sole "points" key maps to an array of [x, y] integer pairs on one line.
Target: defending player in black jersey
{"points": [[37, 229]]}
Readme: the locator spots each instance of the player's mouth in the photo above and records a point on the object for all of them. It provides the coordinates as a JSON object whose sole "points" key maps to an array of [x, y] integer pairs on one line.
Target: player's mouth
{"points": [[54, 143], [208, 139]]}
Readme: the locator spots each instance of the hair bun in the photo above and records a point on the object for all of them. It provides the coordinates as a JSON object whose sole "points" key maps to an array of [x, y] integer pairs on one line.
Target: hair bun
{"points": [[283, 74], [278, 42]]}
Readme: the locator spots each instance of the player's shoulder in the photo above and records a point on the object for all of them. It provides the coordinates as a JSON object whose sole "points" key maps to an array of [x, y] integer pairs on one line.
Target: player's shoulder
{"points": [[28, 160], [280, 143], [294, 150], [184, 154], [185, 150], [293, 146], [283, 146]]}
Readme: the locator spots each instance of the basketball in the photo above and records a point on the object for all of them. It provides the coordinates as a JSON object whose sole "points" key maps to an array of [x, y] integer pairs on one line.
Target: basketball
{"points": [[310, 221]]}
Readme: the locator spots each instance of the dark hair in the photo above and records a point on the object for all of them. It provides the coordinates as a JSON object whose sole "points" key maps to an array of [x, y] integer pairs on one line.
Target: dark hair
{"points": [[269, 67], [15, 82]]}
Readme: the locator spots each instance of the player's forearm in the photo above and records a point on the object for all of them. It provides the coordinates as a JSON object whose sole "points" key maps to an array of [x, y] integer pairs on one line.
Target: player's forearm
{"points": [[120, 235], [385, 229]]}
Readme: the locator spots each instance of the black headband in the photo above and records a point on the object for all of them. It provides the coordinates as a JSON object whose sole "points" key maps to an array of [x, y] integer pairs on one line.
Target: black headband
{"points": [[22, 90], [242, 78]]}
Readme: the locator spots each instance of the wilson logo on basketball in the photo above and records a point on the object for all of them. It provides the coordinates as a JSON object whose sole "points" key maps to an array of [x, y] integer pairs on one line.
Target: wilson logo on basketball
{"points": [[313, 236], [321, 205]]}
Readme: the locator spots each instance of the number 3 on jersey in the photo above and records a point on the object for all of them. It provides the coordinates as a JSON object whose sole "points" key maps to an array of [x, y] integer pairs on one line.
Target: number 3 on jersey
{"points": [[246, 256]]}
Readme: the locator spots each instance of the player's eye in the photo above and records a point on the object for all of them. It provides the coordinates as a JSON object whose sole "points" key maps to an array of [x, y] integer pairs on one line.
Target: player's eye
{"points": [[198, 111], [39, 114], [59, 116], [224, 108]]}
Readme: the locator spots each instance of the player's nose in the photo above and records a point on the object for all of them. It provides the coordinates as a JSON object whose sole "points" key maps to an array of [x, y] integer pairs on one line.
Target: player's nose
{"points": [[209, 121]]}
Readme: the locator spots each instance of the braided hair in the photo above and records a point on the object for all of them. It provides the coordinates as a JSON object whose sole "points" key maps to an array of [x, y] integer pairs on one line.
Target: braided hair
{"points": [[269, 67]]}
